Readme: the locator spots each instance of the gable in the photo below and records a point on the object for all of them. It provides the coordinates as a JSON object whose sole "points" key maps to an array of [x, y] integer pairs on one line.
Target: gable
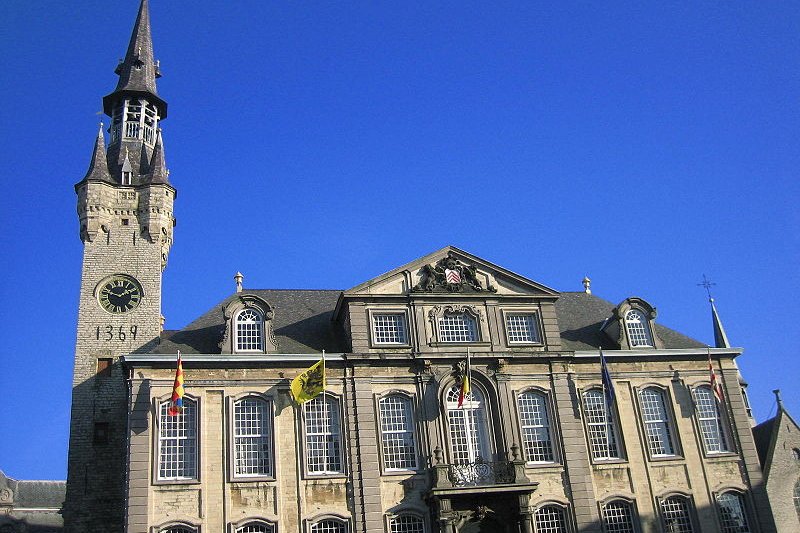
{"points": [[469, 274]]}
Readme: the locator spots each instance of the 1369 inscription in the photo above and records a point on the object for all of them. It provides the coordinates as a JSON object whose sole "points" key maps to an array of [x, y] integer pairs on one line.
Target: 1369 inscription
{"points": [[116, 333]]}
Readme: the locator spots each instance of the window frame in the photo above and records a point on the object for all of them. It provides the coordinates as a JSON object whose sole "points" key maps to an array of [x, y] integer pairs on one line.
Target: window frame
{"points": [[670, 424], [309, 523], [564, 509], [305, 456], [262, 329], [647, 327], [410, 398], [615, 427], [437, 313], [690, 510], [233, 477], [468, 318], [744, 502], [156, 445], [172, 523], [491, 445], [723, 423], [397, 311], [389, 517], [253, 520], [551, 426], [629, 502], [537, 323]]}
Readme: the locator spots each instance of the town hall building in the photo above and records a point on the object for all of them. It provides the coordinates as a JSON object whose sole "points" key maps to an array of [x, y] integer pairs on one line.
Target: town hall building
{"points": [[540, 443]]}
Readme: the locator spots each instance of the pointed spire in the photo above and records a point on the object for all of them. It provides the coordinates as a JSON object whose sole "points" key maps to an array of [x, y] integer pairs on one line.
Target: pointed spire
{"points": [[158, 166], [98, 167], [720, 337], [139, 70], [778, 399]]}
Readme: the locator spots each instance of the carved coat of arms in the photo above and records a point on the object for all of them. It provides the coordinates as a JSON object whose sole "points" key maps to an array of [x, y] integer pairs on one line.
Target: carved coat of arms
{"points": [[450, 274]]}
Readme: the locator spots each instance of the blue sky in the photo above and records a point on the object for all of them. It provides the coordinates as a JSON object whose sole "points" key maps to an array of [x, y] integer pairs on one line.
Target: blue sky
{"points": [[318, 145]]}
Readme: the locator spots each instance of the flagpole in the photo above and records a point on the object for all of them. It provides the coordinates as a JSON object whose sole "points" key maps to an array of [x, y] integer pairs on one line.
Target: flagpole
{"points": [[467, 422], [328, 411]]}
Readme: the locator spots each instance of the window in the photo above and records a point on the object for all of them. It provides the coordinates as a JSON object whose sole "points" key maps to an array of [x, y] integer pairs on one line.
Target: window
{"points": [[711, 429], [255, 527], [656, 425], [389, 328], [177, 442], [638, 328], [550, 519], [523, 329], [457, 327], [323, 436], [252, 438], [397, 433], [600, 426], [469, 434], [178, 529], [676, 516], [535, 427], [249, 326], [796, 498], [618, 517], [330, 525], [406, 523], [732, 513]]}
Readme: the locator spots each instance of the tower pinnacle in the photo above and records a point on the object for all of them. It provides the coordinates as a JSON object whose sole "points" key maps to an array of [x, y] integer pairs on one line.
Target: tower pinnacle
{"points": [[98, 167]]}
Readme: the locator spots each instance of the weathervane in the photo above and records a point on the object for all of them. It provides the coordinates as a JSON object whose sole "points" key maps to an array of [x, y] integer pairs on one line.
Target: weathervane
{"points": [[707, 284]]}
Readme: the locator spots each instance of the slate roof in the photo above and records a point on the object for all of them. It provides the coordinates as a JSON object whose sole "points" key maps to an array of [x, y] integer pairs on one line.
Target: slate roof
{"points": [[35, 494], [763, 435], [303, 324]]}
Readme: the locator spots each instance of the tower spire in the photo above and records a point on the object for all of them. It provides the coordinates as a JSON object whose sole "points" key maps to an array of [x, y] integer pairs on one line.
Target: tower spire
{"points": [[720, 337], [139, 70], [98, 167]]}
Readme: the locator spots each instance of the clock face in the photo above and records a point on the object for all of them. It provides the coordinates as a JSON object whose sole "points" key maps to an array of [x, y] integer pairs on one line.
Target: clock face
{"points": [[119, 294]]}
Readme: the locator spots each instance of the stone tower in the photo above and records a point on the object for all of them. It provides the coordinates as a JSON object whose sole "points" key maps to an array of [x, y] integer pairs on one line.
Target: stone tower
{"points": [[126, 222]]}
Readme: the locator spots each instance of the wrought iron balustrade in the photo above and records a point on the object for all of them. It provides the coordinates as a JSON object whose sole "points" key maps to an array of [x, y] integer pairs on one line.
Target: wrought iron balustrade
{"points": [[481, 473]]}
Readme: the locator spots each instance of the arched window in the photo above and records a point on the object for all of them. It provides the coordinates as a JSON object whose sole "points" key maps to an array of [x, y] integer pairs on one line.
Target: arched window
{"points": [[797, 498], [406, 523], [732, 513], [177, 442], [329, 525], [656, 423], [256, 527], [252, 437], [178, 529], [711, 428], [638, 328], [600, 426], [458, 327], [397, 433], [676, 515], [535, 425], [323, 436], [469, 432], [618, 517], [550, 519], [249, 331]]}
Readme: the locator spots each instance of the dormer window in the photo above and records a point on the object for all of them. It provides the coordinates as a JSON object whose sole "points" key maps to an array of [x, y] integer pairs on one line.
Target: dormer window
{"points": [[249, 331], [126, 177], [638, 328]]}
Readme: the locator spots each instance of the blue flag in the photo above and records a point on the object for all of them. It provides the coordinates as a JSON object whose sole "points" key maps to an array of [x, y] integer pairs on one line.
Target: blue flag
{"points": [[608, 386]]}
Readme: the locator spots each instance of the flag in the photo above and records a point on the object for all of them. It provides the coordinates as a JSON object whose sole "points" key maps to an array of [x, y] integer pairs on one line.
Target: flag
{"points": [[465, 382], [716, 386], [176, 402], [608, 385], [309, 383]]}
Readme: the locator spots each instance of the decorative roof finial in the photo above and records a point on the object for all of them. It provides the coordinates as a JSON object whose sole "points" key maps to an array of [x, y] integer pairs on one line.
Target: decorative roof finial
{"points": [[238, 277], [707, 284], [587, 285], [777, 393]]}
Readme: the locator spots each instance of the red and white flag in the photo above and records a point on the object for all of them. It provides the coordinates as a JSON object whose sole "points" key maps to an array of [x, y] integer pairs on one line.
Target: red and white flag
{"points": [[716, 386]]}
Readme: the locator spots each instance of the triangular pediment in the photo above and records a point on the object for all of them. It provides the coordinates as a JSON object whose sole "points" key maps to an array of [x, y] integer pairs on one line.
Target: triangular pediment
{"points": [[451, 271]]}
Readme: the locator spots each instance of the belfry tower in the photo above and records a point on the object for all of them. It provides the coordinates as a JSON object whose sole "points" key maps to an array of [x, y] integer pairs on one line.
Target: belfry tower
{"points": [[126, 222]]}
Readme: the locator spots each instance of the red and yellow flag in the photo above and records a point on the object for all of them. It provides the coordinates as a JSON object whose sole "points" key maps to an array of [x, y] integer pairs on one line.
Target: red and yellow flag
{"points": [[716, 386], [465, 384], [176, 403]]}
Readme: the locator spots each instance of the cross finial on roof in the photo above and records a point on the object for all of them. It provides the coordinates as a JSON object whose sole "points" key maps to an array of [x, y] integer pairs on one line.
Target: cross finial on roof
{"points": [[707, 284]]}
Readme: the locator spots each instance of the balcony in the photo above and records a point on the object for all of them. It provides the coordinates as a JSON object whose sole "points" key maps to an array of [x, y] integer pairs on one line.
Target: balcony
{"points": [[480, 476]]}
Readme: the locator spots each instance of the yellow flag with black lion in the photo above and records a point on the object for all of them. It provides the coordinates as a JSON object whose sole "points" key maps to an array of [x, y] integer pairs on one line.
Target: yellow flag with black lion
{"points": [[309, 383]]}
